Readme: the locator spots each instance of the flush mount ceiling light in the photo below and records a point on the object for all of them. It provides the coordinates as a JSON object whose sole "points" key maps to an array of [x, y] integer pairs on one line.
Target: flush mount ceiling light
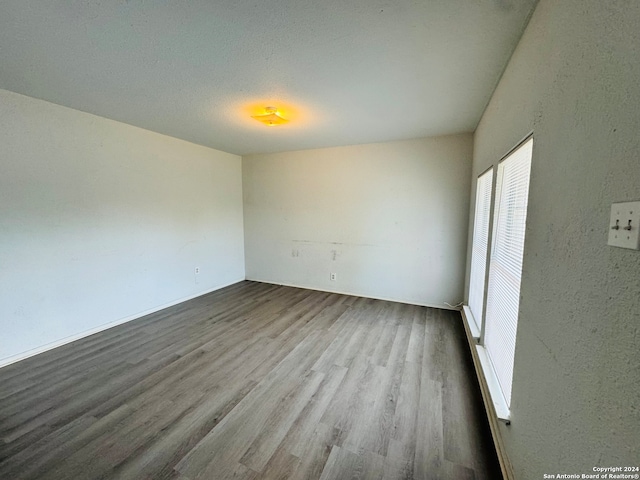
{"points": [[271, 117]]}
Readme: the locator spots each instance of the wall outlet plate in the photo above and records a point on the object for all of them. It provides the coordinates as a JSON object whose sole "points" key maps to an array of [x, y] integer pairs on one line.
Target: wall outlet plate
{"points": [[624, 225]]}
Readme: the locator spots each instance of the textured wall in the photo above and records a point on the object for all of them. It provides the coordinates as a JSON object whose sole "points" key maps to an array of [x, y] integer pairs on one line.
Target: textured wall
{"points": [[100, 221], [573, 81], [390, 218]]}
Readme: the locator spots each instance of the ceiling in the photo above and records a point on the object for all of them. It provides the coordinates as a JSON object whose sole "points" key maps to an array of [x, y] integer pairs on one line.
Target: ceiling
{"points": [[344, 71]]}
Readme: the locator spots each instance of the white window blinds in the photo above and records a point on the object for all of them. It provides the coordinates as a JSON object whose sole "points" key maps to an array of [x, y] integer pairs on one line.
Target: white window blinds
{"points": [[480, 244], [505, 267]]}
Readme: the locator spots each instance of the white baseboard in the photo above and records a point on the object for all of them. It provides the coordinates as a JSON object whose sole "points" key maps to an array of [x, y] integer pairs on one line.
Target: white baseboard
{"points": [[72, 338], [344, 292]]}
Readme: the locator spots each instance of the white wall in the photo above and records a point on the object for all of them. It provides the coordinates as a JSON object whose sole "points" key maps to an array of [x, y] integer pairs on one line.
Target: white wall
{"points": [[100, 221], [390, 219], [573, 80]]}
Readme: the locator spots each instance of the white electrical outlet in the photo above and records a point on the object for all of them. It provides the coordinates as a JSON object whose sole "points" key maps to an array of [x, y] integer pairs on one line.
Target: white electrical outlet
{"points": [[197, 271], [333, 277], [624, 225]]}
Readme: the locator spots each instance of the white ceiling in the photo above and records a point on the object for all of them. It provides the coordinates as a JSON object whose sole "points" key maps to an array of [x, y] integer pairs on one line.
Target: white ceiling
{"points": [[345, 71]]}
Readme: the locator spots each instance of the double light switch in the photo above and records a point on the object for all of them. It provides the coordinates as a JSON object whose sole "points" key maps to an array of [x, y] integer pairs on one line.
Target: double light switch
{"points": [[624, 225]]}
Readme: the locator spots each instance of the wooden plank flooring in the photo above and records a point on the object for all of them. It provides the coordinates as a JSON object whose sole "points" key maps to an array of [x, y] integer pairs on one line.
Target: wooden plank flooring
{"points": [[254, 381]]}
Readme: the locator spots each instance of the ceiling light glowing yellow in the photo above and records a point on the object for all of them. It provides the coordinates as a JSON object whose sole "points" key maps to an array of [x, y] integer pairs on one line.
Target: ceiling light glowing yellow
{"points": [[271, 117]]}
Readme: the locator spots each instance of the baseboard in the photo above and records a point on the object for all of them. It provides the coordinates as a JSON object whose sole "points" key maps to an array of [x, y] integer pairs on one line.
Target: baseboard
{"points": [[344, 292], [494, 422], [72, 338], [58, 343]]}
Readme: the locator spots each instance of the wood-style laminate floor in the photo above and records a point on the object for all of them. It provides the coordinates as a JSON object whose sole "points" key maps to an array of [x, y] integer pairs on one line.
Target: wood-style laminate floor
{"points": [[254, 381]]}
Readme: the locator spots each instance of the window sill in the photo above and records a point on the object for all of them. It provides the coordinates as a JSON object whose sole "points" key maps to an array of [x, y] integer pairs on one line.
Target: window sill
{"points": [[499, 403], [471, 323]]}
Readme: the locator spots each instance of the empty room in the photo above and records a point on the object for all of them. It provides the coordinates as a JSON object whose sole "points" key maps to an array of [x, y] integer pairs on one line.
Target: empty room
{"points": [[287, 240]]}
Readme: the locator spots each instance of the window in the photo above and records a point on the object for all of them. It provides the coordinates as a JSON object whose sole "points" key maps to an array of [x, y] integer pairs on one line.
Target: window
{"points": [[505, 266], [479, 247]]}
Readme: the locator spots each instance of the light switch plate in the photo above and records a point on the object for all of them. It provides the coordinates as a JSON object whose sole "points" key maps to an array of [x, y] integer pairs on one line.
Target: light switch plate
{"points": [[623, 216]]}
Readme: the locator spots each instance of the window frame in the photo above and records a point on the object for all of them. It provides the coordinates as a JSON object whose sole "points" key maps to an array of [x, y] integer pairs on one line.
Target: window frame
{"points": [[477, 321], [485, 366]]}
